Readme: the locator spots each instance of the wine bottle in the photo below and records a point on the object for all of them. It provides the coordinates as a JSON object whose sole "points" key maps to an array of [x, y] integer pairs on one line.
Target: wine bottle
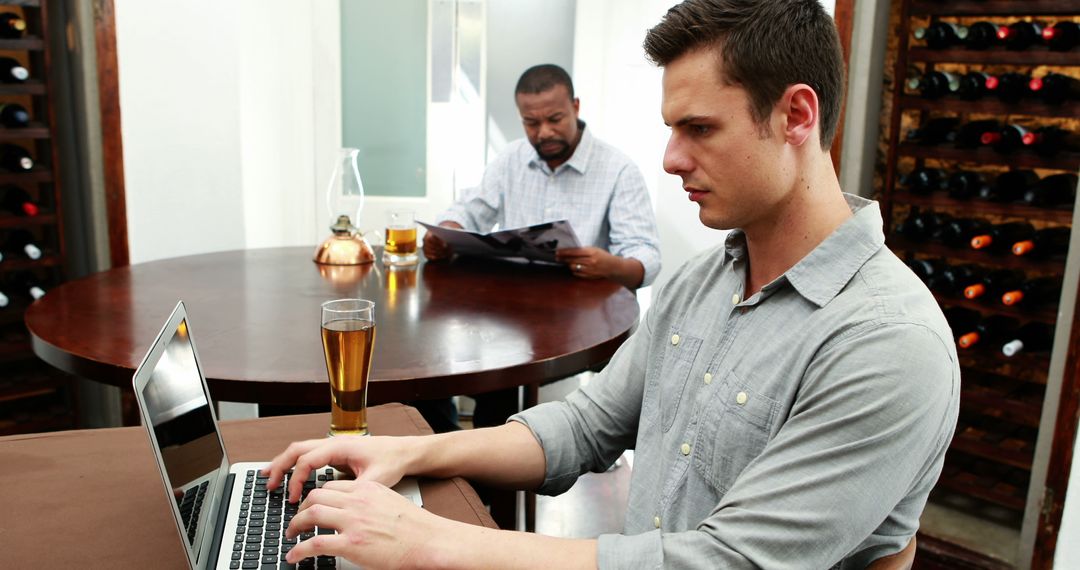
{"points": [[22, 241], [1031, 337], [14, 158], [961, 320], [14, 115], [972, 134], [935, 131], [990, 331], [924, 180], [995, 283], [921, 226], [964, 184], [4, 300], [1007, 139], [1009, 186], [11, 71], [1055, 88], [28, 283], [1062, 36], [1039, 291], [1044, 243], [953, 279], [927, 270], [1002, 236], [1020, 35], [1048, 141], [1009, 87], [11, 26], [941, 35], [1051, 191], [16, 201], [972, 86], [981, 35], [957, 232], [935, 84]]}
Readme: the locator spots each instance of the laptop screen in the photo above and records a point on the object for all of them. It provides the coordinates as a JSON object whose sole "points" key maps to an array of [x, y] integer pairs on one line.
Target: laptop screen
{"points": [[183, 427]]}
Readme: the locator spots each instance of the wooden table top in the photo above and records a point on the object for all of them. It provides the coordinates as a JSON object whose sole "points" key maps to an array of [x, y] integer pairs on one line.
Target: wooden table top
{"points": [[460, 327], [65, 488]]}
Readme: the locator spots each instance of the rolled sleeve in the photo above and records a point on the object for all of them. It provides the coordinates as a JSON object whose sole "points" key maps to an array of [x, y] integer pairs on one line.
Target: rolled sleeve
{"points": [[632, 223]]}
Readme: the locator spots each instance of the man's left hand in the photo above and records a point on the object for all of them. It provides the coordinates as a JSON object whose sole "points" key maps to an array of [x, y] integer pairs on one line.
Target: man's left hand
{"points": [[588, 262]]}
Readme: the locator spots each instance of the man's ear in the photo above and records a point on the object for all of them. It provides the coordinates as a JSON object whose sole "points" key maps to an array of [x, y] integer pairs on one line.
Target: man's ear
{"points": [[799, 105]]}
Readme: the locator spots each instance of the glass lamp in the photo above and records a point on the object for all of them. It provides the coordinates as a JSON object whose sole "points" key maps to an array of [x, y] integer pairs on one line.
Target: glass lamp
{"points": [[344, 198]]}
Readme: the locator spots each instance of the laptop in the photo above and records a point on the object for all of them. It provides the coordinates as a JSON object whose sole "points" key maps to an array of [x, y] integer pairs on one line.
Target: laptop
{"points": [[225, 516]]}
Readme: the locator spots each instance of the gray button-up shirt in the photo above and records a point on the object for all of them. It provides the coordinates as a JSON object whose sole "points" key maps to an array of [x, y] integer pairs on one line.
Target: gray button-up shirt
{"points": [[599, 190], [800, 428]]}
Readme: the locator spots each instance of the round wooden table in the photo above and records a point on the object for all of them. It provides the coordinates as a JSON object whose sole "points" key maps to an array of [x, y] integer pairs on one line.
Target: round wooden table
{"points": [[461, 327]]}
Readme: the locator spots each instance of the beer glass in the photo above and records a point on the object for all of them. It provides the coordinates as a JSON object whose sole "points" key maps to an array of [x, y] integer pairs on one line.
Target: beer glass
{"points": [[400, 239], [348, 336]]}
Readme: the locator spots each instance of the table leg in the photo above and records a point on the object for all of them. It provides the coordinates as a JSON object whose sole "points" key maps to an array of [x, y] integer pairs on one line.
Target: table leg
{"points": [[129, 408]]}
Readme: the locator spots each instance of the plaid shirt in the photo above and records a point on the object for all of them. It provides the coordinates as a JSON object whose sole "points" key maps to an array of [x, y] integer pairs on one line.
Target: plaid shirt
{"points": [[599, 190]]}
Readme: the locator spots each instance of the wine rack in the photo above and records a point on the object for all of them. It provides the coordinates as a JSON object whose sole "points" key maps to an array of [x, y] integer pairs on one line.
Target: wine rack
{"points": [[988, 468], [33, 396]]}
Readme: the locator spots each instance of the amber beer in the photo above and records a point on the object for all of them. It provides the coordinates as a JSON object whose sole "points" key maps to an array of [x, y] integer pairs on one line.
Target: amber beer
{"points": [[348, 336], [401, 240]]}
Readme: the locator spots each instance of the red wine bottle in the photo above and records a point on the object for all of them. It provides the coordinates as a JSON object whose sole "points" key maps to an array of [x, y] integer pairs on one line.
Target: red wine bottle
{"points": [[16, 201], [1043, 243], [924, 180], [1062, 36], [935, 131], [1033, 292], [941, 35], [935, 84], [22, 241], [1009, 186], [927, 270], [11, 26], [1031, 337], [981, 35], [1021, 35], [1009, 87], [14, 116], [1006, 140], [964, 184], [992, 330], [1052, 191], [1002, 236], [1055, 88], [922, 226], [961, 320], [953, 279], [27, 283], [957, 232], [995, 283], [972, 134], [1048, 141], [973, 86], [14, 158], [11, 71]]}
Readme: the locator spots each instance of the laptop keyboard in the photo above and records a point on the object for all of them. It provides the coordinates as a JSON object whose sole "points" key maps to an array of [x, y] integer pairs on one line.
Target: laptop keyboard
{"points": [[190, 506], [260, 541]]}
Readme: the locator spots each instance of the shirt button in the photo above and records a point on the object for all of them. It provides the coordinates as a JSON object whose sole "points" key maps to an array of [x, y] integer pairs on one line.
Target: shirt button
{"points": [[685, 449], [656, 522], [708, 378], [674, 339], [735, 299], [740, 398]]}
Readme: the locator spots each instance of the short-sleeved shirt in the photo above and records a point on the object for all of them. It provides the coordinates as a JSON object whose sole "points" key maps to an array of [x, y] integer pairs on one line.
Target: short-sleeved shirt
{"points": [[599, 190], [802, 427]]}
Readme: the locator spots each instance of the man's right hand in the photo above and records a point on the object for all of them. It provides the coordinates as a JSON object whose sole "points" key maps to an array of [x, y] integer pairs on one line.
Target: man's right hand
{"points": [[368, 458], [435, 248]]}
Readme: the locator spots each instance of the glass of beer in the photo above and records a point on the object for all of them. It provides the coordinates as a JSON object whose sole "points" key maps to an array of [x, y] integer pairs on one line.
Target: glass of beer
{"points": [[348, 336], [400, 239]]}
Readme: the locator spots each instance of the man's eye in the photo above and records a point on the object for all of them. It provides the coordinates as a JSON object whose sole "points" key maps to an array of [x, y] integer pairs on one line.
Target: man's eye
{"points": [[700, 130]]}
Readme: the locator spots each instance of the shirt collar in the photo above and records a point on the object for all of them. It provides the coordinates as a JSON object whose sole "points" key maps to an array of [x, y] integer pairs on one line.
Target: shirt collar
{"points": [[579, 161], [821, 275]]}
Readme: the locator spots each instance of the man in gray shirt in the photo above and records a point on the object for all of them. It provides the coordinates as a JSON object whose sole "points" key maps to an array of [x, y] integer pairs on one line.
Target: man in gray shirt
{"points": [[790, 396]]}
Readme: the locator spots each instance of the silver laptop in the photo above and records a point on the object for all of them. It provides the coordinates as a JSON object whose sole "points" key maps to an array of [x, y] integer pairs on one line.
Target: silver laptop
{"points": [[224, 514]]}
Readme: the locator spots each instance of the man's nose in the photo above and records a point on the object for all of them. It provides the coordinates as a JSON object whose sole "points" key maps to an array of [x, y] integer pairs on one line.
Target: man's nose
{"points": [[547, 131], [676, 160]]}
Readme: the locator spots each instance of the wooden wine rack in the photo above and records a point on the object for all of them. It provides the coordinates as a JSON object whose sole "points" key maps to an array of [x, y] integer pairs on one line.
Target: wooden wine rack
{"points": [[990, 459], [33, 396]]}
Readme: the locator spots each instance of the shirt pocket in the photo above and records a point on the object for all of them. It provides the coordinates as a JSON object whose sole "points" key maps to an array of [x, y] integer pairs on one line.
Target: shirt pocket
{"points": [[736, 428], [678, 361]]}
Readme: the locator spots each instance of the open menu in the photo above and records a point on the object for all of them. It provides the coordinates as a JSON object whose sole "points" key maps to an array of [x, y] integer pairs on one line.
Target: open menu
{"points": [[536, 243]]}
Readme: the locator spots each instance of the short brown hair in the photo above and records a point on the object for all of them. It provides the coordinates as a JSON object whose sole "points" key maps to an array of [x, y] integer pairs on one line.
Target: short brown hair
{"points": [[765, 46]]}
